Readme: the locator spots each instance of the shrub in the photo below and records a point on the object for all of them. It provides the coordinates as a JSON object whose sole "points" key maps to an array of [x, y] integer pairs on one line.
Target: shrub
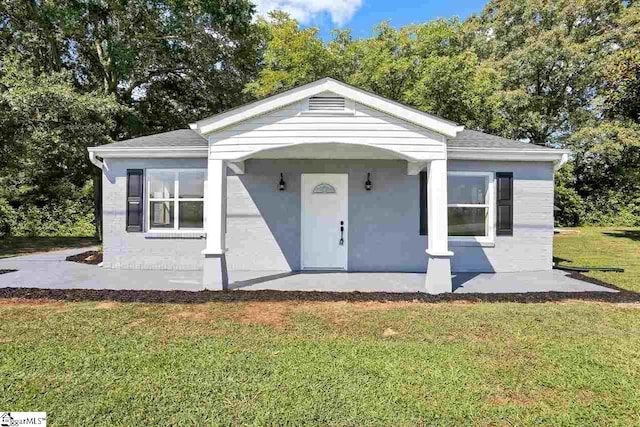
{"points": [[571, 213], [68, 218], [8, 218]]}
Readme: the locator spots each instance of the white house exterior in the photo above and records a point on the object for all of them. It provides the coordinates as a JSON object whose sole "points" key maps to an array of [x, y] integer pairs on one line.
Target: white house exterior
{"points": [[327, 177]]}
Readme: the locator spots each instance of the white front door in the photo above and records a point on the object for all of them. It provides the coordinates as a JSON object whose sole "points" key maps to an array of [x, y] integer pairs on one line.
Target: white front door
{"points": [[324, 221]]}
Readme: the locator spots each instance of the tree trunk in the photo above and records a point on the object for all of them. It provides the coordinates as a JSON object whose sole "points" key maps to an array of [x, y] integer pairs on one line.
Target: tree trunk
{"points": [[97, 202]]}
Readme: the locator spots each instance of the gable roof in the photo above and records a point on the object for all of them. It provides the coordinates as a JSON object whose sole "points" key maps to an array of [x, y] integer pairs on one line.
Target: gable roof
{"points": [[409, 114]]}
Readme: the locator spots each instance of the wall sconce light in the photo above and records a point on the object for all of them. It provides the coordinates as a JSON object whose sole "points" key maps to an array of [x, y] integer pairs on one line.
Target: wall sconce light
{"points": [[367, 184], [281, 184]]}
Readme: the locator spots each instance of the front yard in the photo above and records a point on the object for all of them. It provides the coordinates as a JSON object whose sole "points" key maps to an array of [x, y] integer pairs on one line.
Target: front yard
{"points": [[106, 363], [603, 246], [354, 363]]}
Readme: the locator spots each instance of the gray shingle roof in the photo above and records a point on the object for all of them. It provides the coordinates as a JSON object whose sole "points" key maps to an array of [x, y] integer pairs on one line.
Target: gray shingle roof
{"points": [[189, 138], [474, 139], [176, 138]]}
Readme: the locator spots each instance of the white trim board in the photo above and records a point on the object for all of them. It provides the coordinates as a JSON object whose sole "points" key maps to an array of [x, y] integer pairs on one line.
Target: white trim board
{"points": [[231, 117]]}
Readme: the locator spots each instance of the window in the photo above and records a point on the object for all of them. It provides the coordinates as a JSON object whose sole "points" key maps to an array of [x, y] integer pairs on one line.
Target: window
{"points": [[469, 204], [324, 188], [176, 199]]}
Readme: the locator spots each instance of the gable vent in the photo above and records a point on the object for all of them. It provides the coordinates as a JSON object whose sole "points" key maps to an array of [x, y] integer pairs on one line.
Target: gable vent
{"points": [[326, 103]]}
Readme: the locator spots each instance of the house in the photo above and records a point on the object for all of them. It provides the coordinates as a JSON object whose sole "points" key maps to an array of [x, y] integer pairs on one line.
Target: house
{"points": [[327, 177]]}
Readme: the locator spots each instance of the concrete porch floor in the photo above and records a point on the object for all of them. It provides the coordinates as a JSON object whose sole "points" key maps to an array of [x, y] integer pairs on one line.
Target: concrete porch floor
{"points": [[51, 271]]}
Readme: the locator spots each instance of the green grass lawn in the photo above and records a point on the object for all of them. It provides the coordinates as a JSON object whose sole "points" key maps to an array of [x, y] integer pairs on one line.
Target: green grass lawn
{"points": [[603, 246], [88, 363], [12, 246], [333, 363]]}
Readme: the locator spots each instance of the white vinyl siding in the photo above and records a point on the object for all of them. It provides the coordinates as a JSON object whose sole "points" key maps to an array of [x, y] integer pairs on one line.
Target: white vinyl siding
{"points": [[294, 125]]}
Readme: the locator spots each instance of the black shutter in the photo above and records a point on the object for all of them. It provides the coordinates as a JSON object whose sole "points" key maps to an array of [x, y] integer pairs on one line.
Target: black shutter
{"points": [[135, 188], [423, 204], [504, 208]]}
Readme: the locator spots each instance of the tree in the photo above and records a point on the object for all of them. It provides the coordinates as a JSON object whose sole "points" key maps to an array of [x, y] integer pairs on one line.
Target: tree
{"points": [[292, 57], [546, 52], [169, 62], [172, 61], [425, 66], [46, 127]]}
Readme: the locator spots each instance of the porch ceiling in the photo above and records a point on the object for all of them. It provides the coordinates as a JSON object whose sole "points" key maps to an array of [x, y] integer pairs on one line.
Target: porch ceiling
{"points": [[329, 150]]}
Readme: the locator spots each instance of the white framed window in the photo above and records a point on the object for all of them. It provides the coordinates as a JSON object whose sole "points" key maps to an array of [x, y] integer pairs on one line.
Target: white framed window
{"points": [[470, 206], [175, 199]]}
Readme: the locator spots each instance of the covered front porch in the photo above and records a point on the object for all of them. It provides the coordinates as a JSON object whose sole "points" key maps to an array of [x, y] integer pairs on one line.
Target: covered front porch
{"points": [[350, 207], [462, 283], [51, 271]]}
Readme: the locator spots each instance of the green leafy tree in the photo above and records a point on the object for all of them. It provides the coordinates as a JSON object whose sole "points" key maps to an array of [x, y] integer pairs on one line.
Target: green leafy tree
{"points": [[172, 61], [426, 66], [293, 56], [546, 52], [165, 63], [46, 127]]}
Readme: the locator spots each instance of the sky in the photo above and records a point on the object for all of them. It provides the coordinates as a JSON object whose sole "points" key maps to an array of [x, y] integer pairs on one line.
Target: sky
{"points": [[362, 15]]}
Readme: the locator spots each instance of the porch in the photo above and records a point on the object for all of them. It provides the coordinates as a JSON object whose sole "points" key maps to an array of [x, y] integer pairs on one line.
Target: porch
{"points": [[51, 271]]}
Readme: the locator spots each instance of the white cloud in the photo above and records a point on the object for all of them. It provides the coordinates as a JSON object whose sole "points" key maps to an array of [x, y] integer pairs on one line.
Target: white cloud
{"points": [[304, 11]]}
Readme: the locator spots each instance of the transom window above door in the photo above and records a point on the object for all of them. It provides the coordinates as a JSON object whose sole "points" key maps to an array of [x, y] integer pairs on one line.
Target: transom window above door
{"points": [[324, 188], [175, 199]]}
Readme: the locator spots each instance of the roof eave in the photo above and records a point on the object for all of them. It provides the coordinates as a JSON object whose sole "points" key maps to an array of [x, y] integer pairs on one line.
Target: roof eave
{"points": [[557, 156], [150, 152]]}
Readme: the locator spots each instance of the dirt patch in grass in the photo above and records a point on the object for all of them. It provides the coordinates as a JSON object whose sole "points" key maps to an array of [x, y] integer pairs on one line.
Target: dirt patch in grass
{"points": [[269, 314], [89, 257], [279, 314], [390, 333], [107, 305], [26, 302], [136, 323], [191, 314]]}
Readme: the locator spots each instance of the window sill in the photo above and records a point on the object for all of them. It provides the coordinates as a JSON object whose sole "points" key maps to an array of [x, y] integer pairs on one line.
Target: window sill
{"points": [[175, 234], [472, 242]]}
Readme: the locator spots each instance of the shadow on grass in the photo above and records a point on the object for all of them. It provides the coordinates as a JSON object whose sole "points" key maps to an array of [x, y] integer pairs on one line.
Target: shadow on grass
{"points": [[14, 246], [627, 234], [185, 297]]}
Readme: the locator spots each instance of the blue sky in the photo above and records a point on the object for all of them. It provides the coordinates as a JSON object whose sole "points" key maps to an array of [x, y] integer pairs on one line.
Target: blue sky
{"points": [[362, 15]]}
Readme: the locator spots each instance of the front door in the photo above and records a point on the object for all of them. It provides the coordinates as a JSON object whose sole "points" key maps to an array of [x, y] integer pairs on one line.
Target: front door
{"points": [[324, 221]]}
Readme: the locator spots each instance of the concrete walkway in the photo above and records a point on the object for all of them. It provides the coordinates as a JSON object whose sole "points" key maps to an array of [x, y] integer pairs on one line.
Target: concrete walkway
{"points": [[51, 271]]}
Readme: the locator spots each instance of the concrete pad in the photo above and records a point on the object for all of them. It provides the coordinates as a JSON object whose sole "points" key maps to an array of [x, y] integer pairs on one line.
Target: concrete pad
{"points": [[51, 271]]}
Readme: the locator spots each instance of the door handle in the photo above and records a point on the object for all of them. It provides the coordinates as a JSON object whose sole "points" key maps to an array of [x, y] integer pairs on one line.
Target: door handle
{"points": [[341, 233]]}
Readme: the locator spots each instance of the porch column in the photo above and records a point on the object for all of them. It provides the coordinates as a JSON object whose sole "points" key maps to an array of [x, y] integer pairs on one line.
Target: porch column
{"points": [[438, 278], [214, 273]]}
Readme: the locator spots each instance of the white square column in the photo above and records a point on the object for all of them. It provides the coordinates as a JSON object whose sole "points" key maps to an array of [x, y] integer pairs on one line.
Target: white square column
{"points": [[438, 278], [214, 273]]}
